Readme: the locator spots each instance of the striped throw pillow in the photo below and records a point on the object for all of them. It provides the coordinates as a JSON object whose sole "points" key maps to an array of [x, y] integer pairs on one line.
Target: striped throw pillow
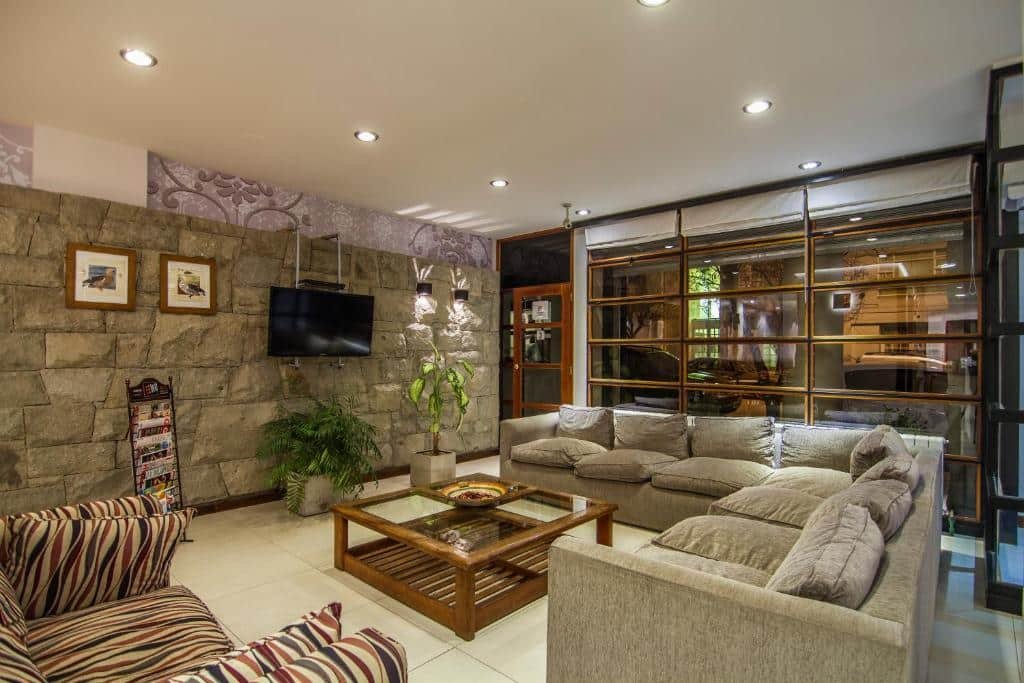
{"points": [[368, 656], [63, 565], [298, 639]]}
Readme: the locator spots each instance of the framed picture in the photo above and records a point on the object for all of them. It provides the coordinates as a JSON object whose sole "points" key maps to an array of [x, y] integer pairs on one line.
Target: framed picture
{"points": [[99, 277], [188, 285]]}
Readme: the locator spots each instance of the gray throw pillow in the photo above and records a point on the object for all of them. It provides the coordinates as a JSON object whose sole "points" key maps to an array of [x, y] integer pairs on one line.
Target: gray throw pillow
{"points": [[887, 500], [587, 424], [646, 432], [881, 442], [731, 539], [556, 452], [901, 467], [732, 438], [829, 448]]}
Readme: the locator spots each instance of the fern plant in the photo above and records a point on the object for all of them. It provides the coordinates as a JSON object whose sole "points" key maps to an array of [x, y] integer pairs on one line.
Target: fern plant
{"points": [[330, 441], [447, 385]]}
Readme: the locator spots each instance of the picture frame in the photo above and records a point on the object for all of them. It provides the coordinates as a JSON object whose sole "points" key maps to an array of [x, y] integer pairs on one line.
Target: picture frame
{"points": [[188, 285], [99, 277]]}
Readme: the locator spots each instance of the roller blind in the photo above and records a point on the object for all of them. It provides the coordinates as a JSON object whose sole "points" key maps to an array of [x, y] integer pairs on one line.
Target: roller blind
{"points": [[769, 208], [651, 228]]}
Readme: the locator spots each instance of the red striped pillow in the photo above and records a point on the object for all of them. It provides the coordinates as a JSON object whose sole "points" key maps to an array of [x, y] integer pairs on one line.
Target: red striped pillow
{"points": [[368, 656], [63, 565]]}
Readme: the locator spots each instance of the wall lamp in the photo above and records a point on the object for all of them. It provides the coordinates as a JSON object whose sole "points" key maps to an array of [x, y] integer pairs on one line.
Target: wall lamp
{"points": [[461, 295], [424, 289]]}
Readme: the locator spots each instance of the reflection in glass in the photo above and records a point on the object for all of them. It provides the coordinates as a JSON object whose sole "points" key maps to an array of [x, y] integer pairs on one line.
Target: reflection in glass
{"points": [[763, 315], [542, 309], [505, 410], [1011, 197], [948, 367], [795, 229], [1009, 529], [961, 487], [641, 320], [786, 407], [508, 340], [1011, 445], [648, 399], [508, 314], [542, 385], [1011, 111], [529, 412], [653, 363], [936, 250], [1011, 380], [957, 422], [639, 278], [542, 345], [923, 309], [726, 271], [781, 365], [1011, 263], [506, 383], [657, 247]]}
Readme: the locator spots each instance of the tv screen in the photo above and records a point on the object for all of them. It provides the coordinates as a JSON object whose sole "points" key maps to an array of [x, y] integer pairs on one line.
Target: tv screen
{"points": [[308, 322]]}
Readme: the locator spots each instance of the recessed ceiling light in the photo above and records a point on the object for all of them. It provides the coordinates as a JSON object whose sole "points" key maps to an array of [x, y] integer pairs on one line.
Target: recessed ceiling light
{"points": [[670, 246], [366, 136], [809, 165], [872, 239], [757, 106], [959, 286], [883, 256], [947, 265], [707, 260], [960, 295], [138, 57], [499, 182], [582, 212], [856, 219], [653, 3]]}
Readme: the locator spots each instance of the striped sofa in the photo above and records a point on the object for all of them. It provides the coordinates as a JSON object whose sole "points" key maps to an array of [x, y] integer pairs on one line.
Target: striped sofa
{"points": [[85, 596]]}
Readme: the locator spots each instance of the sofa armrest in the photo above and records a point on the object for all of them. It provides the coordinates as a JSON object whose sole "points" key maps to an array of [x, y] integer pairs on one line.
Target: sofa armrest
{"points": [[525, 429], [617, 616]]}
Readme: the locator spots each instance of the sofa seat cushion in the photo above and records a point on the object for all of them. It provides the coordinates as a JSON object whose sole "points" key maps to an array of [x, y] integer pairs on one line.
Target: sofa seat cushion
{"points": [[559, 451], [748, 542], [816, 481], [733, 438], [648, 432], [728, 570], [806, 446], [714, 477], [888, 501], [787, 507], [880, 443], [622, 464], [145, 638], [587, 424]]}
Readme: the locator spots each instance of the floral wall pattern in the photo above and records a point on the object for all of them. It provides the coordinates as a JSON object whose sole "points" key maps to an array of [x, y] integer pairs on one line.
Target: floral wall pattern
{"points": [[178, 187], [15, 155]]}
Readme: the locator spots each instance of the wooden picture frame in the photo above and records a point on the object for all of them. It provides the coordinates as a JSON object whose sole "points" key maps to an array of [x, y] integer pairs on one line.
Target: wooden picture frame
{"points": [[197, 275], [99, 277]]}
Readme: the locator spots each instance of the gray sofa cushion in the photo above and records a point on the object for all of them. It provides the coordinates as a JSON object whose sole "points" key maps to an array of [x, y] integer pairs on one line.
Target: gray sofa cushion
{"points": [[621, 464], [556, 452], [881, 442], [647, 432], [728, 570], [731, 539], [804, 446], [816, 481], [888, 501], [732, 438], [835, 559], [900, 467], [768, 504], [586, 424], [709, 476]]}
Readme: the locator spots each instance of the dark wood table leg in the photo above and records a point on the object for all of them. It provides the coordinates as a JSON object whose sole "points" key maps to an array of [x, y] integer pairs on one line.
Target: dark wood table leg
{"points": [[604, 529], [465, 603], [340, 541]]}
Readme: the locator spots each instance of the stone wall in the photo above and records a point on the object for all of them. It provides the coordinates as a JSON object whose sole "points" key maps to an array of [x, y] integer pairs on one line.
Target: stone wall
{"points": [[63, 419]]}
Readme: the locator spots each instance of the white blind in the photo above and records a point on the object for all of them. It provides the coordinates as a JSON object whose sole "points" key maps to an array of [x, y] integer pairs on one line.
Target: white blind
{"points": [[917, 184], [769, 208], [651, 228]]}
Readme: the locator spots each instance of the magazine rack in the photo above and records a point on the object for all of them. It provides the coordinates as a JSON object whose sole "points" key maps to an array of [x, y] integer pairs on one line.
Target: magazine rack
{"points": [[156, 470]]}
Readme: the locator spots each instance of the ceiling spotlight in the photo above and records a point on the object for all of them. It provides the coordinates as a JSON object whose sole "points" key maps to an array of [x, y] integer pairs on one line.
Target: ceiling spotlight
{"points": [[499, 183], [366, 136], [856, 219], [582, 212], [138, 57], [872, 239], [567, 221], [809, 165], [757, 106], [653, 3]]}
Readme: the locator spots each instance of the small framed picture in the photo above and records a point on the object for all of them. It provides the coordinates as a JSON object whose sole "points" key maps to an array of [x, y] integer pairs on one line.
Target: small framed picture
{"points": [[188, 285], [99, 277]]}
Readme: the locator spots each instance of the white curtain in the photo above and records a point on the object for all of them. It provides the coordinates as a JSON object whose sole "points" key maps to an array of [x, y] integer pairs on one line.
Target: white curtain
{"points": [[755, 211], [658, 226]]}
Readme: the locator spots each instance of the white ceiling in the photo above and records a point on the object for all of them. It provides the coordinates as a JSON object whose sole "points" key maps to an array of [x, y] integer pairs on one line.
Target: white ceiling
{"points": [[604, 103]]}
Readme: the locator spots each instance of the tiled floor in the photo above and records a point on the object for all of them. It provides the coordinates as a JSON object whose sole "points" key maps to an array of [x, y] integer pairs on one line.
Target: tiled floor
{"points": [[259, 568]]}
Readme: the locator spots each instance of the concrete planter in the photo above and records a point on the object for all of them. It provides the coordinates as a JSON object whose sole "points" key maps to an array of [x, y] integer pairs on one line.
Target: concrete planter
{"points": [[426, 468], [320, 496]]}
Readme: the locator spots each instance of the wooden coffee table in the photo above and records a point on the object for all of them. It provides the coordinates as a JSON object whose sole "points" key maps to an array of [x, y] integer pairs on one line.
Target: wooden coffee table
{"points": [[494, 563]]}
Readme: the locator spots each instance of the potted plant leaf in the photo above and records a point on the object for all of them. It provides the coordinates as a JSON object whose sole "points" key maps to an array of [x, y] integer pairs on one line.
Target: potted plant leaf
{"points": [[324, 455], [441, 384]]}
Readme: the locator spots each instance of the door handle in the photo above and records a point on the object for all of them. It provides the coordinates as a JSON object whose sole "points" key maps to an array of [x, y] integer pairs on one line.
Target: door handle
{"points": [[515, 366]]}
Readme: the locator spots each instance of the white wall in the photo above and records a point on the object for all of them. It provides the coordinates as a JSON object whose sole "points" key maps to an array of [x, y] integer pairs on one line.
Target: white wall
{"points": [[79, 164]]}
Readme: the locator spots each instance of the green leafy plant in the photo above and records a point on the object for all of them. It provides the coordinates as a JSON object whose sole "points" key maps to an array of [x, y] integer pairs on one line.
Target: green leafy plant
{"points": [[447, 386], [330, 440]]}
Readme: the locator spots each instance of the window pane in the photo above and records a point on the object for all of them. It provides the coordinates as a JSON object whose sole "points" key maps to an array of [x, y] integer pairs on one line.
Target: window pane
{"points": [[650, 399], [542, 385], [762, 315], [508, 314], [529, 411], [1011, 197], [506, 410], [745, 404], [1010, 460], [507, 392], [727, 271], [634, 249], [1011, 294], [897, 254], [1010, 547], [651, 362], [781, 365], [635, 279], [542, 345], [542, 309], [767, 232], [949, 367], [508, 337], [1011, 381], [642, 320], [961, 486], [1011, 111], [957, 422], [906, 310]]}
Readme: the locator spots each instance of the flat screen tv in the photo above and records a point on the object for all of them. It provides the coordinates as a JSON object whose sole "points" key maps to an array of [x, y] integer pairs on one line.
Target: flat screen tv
{"points": [[309, 322]]}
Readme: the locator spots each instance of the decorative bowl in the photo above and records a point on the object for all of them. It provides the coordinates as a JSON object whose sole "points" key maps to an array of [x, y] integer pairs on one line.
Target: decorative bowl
{"points": [[472, 493]]}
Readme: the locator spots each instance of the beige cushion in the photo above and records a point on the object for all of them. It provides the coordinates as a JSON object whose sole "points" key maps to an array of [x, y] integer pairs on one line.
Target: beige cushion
{"points": [[728, 570], [816, 481], [888, 501], [900, 467], [768, 504], [661, 433], [804, 446], [881, 442], [555, 452], [621, 464], [732, 438], [835, 560], [586, 424], [709, 476], [731, 539]]}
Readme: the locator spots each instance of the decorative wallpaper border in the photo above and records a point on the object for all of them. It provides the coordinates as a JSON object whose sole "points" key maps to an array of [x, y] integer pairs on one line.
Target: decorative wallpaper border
{"points": [[16, 155]]}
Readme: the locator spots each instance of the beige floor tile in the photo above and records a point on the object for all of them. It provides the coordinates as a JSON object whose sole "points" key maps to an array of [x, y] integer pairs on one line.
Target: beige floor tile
{"points": [[420, 646], [455, 667], [481, 466], [516, 645]]}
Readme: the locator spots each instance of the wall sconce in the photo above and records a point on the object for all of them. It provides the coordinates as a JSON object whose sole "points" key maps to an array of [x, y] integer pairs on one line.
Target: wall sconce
{"points": [[461, 295], [424, 289]]}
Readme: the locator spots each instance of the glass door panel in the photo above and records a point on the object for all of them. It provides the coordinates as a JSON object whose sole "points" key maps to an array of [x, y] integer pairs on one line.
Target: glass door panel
{"points": [[542, 345], [536, 350], [541, 309], [542, 385]]}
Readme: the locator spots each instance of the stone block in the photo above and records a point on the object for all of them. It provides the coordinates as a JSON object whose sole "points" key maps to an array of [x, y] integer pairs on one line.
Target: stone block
{"points": [[243, 477], [139, 235], [6, 308], [254, 345], [384, 370], [132, 350], [266, 243], [231, 432], [251, 300], [128, 212], [116, 396], [123, 454], [395, 271], [294, 381], [22, 389], [87, 212], [79, 350], [364, 264], [197, 340], [110, 424], [126, 322], [223, 248], [202, 383], [99, 485], [450, 339], [36, 201], [490, 281], [148, 279], [187, 415], [16, 229], [215, 227], [43, 308], [12, 424], [418, 337], [71, 459], [13, 465], [391, 344], [255, 382], [257, 271], [21, 351], [77, 384], [386, 397], [61, 423], [35, 272], [326, 261], [35, 498], [202, 484]]}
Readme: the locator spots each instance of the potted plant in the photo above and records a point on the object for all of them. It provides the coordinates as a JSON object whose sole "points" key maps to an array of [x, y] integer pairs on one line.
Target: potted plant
{"points": [[447, 386], [325, 455]]}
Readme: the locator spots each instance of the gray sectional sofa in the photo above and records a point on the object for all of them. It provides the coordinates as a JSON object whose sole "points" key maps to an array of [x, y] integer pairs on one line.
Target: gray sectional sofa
{"points": [[787, 552]]}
